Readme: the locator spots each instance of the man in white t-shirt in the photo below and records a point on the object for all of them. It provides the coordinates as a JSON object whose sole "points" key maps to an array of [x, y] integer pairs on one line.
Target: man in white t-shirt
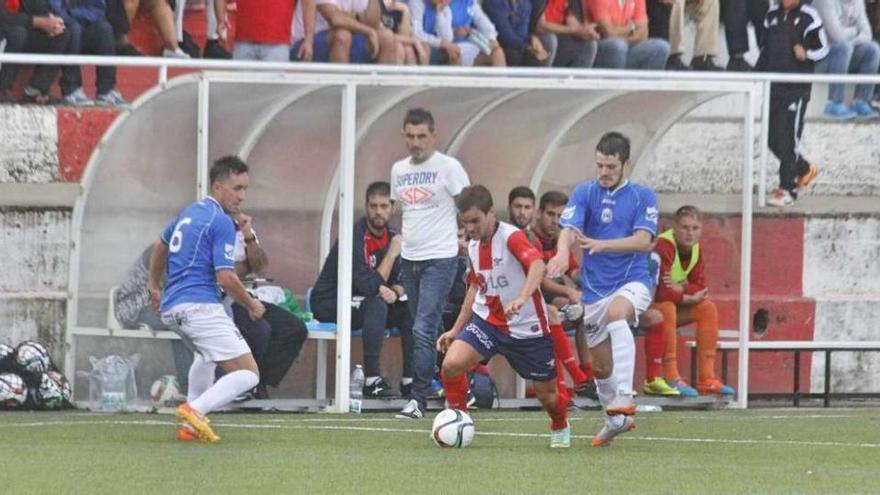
{"points": [[346, 31], [425, 185]]}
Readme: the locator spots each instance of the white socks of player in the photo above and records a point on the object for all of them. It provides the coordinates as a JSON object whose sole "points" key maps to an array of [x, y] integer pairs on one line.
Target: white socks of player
{"points": [[201, 377], [623, 349], [227, 388]]}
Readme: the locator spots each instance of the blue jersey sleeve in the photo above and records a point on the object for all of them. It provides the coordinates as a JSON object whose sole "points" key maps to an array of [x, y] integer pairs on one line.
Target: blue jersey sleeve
{"points": [[223, 243], [647, 212], [576, 212]]}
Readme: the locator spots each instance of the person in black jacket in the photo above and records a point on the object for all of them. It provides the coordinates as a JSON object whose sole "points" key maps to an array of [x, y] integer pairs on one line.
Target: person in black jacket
{"points": [[793, 41], [29, 26], [376, 290]]}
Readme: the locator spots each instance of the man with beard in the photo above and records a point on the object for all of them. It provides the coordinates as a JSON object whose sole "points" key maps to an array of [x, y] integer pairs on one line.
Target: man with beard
{"points": [[376, 290]]}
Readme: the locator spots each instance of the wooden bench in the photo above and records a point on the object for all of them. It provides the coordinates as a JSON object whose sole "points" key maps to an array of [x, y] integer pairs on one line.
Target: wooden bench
{"points": [[796, 347]]}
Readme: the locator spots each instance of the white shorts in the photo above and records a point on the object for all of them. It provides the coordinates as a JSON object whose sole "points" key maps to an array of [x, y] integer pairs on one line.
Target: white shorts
{"points": [[594, 314], [206, 329]]}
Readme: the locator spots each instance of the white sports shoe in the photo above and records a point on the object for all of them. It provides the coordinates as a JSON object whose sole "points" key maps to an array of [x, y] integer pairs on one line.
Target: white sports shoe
{"points": [[410, 411], [608, 432], [622, 404], [176, 53]]}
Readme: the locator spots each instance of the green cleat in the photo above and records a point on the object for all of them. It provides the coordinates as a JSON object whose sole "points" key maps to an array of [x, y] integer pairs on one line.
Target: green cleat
{"points": [[561, 439], [658, 386]]}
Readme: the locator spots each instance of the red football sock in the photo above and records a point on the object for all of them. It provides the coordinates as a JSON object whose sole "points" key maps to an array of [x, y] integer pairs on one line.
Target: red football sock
{"points": [[456, 391], [558, 412], [587, 368], [655, 345], [561, 386], [562, 349]]}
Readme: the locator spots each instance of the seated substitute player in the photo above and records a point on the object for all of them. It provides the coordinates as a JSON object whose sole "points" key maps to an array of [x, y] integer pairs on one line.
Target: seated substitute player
{"points": [[614, 221], [503, 312], [197, 248], [682, 298]]}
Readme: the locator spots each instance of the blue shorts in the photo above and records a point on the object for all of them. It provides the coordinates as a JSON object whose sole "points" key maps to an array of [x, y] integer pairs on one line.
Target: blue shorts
{"points": [[321, 48], [533, 359]]}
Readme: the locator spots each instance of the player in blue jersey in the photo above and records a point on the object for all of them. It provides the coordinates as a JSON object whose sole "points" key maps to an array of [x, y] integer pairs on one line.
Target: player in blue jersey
{"points": [[614, 221], [197, 250]]}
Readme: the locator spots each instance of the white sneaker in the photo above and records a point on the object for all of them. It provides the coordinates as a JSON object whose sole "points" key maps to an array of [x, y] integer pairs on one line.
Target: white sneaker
{"points": [[608, 432], [410, 411], [176, 53], [781, 198]]}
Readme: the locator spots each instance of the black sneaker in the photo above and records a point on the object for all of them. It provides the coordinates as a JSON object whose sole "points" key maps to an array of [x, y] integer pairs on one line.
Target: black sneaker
{"points": [[380, 389], [588, 390], [738, 64], [128, 50], [213, 49], [405, 389], [706, 63], [675, 63]]}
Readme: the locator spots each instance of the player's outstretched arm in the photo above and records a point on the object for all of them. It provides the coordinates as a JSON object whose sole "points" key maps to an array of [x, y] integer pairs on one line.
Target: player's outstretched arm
{"points": [[464, 316], [537, 270], [558, 264], [228, 280], [158, 260]]}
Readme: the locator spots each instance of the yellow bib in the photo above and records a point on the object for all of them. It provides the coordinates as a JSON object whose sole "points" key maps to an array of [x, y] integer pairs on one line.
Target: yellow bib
{"points": [[677, 273]]}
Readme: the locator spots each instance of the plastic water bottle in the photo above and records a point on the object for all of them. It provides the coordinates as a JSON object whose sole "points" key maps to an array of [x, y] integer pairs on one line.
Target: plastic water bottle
{"points": [[356, 390]]}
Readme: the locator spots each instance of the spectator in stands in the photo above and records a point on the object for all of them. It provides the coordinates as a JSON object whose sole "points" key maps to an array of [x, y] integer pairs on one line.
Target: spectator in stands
{"points": [[516, 24], [429, 17], [29, 26], [683, 298], [794, 40], [163, 18], [276, 338], [666, 21], [346, 31], [521, 206], [425, 184], [216, 32], [397, 18], [376, 291], [263, 30], [90, 32], [851, 50], [566, 33], [623, 25], [118, 19], [736, 15], [463, 23]]}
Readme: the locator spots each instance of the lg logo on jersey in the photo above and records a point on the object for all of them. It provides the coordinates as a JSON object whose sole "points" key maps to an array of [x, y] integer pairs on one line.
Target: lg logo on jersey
{"points": [[494, 283]]}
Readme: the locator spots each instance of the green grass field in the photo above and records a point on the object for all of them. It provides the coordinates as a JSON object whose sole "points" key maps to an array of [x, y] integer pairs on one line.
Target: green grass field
{"points": [[754, 451]]}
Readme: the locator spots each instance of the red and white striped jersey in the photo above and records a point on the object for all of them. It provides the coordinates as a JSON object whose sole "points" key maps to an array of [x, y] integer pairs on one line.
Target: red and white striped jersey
{"points": [[499, 269]]}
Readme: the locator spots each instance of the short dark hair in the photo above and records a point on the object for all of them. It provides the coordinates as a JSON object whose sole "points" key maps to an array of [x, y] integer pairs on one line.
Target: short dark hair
{"points": [[474, 196], [419, 116], [689, 211], [553, 198], [614, 144], [226, 166], [378, 188], [520, 192]]}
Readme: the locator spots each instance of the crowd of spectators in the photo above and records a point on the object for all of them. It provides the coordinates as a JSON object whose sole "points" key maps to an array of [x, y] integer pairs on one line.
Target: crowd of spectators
{"points": [[613, 34]]}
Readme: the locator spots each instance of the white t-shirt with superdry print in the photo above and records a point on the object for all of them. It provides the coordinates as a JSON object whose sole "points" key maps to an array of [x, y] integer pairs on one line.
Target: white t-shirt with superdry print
{"points": [[427, 193]]}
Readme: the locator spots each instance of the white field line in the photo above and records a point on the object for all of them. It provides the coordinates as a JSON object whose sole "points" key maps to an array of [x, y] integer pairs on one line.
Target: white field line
{"points": [[38, 424]]}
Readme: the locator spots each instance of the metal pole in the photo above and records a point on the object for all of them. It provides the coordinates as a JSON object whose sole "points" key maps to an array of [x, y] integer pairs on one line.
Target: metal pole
{"points": [[163, 74], [745, 269], [346, 224], [202, 130], [764, 143]]}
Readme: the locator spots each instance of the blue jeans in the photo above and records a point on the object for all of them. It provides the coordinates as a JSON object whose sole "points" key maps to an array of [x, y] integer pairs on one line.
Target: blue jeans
{"points": [[615, 53], [427, 285], [853, 58]]}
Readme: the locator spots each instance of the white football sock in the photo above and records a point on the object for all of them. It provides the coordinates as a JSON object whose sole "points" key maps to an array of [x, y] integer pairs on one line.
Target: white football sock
{"points": [[201, 377], [606, 388], [623, 349], [227, 388]]}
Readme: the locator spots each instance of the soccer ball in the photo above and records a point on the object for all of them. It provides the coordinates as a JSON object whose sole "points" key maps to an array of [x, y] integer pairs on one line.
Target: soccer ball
{"points": [[53, 391], [453, 428], [33, 358], [13, 391], [165, 390]]}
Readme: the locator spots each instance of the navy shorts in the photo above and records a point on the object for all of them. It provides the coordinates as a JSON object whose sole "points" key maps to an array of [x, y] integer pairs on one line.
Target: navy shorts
{"points": [[533, 359]]}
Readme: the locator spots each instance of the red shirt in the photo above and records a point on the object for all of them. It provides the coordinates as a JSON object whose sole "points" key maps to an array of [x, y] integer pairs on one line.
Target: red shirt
{"points": [[613, 12], [696, 280], [264, 21], [554, 12]]}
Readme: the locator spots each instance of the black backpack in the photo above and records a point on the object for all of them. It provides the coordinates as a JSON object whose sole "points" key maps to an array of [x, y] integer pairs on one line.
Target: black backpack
{"points": [[484, 390]]}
